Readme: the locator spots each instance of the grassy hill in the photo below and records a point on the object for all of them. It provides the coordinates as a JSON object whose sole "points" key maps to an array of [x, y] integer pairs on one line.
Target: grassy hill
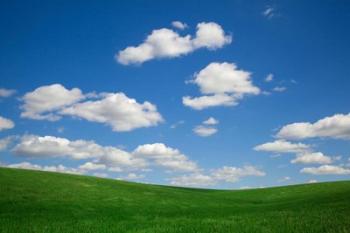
{"points": [[34, 201]]}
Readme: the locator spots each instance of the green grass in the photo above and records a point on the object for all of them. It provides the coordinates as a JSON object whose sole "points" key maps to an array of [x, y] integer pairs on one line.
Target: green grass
{"points": [[34, 201]]}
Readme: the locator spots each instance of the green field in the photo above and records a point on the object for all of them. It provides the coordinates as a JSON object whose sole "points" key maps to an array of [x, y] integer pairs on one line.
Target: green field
{"points": [[34, 201]]}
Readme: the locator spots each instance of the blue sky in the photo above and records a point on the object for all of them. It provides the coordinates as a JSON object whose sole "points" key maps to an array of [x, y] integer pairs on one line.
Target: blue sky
{"points": [[83, 90]]}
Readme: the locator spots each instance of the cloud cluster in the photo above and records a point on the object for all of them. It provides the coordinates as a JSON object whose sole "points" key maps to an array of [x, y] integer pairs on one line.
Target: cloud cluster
{"points": [[166, 43], [222, 84], [6, 123], [326, 170], [336, 126], [304, 153], [59, 168], [207, 128], [104, 157], [117, 110], [224, 174]]}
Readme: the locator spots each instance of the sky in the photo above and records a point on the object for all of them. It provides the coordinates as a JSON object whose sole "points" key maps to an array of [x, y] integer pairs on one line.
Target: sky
{"points": [[213, 94]]}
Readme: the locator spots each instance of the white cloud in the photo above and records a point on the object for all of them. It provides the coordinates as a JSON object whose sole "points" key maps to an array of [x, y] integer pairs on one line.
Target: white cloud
{"points": [[132, 176], [312, 181], [104, 157], [211, 121], [336, 126], [269, 78], [166, 43], [40, 103], [233, 174], [89, 166], [177, 124], [5, 142], [166, 157], [204, 131], [269, 12], [282, 146], [284, 179], [117, 110], [6, 123], [210, 35], [114, 109], [279, 89], [202, 102], [6, 92], [59, 168], [179, 25], [224, 174], [220, 78], [193, 180], [222, 84], [312, 157], [50, 146], [326, 170]]}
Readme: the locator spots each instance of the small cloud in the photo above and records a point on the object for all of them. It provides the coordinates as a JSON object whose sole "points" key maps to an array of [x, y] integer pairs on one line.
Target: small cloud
{"points": [[269, 78], [211, 121], [204, 131], [284, 179], [312, 181], [177, 124], [269, 12], [279, 89], [179, 25], [60, 129], [6, 92]]}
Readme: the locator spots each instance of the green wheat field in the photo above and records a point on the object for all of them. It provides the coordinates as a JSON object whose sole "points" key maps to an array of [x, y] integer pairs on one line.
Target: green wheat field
{"points": [[36, 201]]}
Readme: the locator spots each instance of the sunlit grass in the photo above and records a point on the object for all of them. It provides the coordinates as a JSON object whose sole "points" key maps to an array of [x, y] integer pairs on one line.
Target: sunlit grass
{"points": [[34, 201]]}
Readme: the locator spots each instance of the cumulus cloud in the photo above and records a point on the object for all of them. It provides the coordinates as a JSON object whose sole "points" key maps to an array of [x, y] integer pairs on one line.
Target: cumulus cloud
{"points": [[222, 84], [282, 146], [166, 43], [90, 166], [193, 180], [105, 157], [40, 103], [114, 109], [204, 131], [224, 174], [6, 92], [49, 146], [336, 126], [312, 157], [326, 170], [202, 102], [179, 25], [207, 128], [211, 121], [132, 176], [233, 174], [6, 123], [117, 110], [166, 157]]}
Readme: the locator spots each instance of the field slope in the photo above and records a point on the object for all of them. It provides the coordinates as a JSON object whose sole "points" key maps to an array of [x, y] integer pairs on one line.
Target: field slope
{"points": [[34, 201]]}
